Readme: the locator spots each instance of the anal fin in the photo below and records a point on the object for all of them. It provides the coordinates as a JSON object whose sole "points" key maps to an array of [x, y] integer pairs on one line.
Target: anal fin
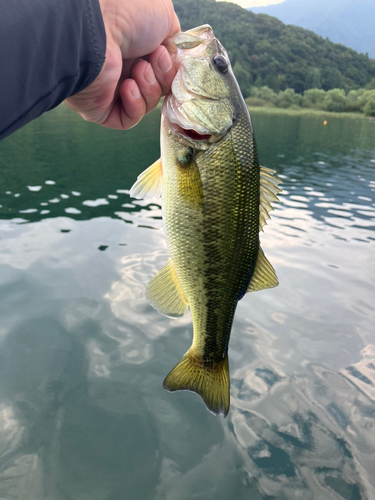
{"points": [[164, 293], [264, 275]]}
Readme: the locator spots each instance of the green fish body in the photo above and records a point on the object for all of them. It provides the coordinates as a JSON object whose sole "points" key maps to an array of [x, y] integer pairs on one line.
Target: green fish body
{"points": [[215, 199]]}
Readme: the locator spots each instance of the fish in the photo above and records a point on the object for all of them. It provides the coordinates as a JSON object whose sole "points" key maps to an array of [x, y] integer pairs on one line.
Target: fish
{"points": [[215, 199]]}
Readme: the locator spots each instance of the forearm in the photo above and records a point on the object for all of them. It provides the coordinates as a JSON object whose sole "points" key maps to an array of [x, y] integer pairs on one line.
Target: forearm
{"points": [[49, 50]]}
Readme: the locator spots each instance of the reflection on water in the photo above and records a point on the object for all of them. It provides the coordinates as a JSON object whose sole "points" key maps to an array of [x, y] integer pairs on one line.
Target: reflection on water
{"points": [[82, 354]]}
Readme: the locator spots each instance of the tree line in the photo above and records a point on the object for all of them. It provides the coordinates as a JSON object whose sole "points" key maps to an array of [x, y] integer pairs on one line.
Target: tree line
{"points": [[265, 52], [360, 100]]}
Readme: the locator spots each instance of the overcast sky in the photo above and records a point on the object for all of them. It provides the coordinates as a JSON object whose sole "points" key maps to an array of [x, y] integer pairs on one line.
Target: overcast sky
{"points": [[253, 3]]}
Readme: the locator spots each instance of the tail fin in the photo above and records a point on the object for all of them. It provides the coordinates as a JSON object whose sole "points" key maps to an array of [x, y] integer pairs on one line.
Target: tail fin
{"points": [[211, 382]]}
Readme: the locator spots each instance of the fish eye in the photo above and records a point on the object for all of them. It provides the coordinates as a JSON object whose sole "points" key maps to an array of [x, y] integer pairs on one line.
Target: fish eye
{"points": [[221, 64]]}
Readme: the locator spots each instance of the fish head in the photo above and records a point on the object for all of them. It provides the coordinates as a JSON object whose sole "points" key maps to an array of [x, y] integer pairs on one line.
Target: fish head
{"points": [[201, 105]]}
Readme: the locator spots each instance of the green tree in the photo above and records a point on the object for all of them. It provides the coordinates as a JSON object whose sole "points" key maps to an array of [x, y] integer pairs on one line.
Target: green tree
{"points": [[264, 93], [371, 84], [313, 79], [335, 100], [288, 98], [331, 78], [313, 98], [355, 100], [369, 108], [243, 79]]}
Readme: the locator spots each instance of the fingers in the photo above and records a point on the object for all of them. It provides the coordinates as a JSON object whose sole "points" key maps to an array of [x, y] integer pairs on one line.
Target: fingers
{"points": [[163, 67], [154, 77], [138, 95], [144, 76], [128, 109]]}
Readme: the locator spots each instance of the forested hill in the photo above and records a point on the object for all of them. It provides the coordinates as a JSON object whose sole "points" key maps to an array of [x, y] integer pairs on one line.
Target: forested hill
{"points": [[342, 21], [264, 51]]}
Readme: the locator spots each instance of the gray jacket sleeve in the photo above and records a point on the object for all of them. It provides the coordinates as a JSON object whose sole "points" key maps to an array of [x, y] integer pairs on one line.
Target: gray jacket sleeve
{"points": [[49, 50]]}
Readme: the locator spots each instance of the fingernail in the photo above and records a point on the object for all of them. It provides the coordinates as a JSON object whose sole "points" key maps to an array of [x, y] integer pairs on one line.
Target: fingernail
{"points": [[135, 91], [164, 62], [149, 75]]}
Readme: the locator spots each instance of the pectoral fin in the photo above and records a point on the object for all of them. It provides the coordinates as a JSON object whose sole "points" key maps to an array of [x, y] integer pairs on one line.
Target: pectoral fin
{"points": [[264, 275], [148, 183], [164, 293]]}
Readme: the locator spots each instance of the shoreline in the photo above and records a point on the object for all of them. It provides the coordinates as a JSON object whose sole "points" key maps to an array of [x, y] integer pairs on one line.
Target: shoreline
{"points": [[299, 112], [306, 112]]}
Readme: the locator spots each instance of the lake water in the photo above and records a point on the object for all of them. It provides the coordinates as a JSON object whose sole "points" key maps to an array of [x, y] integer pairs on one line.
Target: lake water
{"points": [[83, 415]]}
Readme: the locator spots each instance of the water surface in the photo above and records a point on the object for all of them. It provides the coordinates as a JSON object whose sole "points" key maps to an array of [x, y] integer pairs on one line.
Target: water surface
{"points": [[83, 415]]}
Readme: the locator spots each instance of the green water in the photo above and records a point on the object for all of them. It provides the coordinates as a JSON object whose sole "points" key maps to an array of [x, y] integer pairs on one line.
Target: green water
{"points": [[83, 415]]}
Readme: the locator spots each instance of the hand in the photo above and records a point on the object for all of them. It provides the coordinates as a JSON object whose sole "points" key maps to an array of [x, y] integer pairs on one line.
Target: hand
{"points": [[137, 70]]}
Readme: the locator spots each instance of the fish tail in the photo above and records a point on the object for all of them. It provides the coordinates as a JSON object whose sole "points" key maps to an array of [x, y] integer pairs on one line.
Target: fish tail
{"points": [[209, 380]]}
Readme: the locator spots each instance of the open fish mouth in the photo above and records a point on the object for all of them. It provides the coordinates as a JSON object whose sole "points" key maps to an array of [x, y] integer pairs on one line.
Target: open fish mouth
{"points": [[193, 135]]}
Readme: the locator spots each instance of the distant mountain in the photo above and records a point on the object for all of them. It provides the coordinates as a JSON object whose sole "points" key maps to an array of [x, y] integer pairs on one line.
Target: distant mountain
{"points": [[264, 51], [350, 22]]}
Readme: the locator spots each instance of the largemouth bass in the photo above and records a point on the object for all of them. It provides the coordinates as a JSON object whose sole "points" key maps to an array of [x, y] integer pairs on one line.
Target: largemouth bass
{"points": [[215, 200]]}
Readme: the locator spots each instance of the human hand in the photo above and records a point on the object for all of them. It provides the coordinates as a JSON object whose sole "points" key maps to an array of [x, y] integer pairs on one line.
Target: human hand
{"points": [[129, 87]]}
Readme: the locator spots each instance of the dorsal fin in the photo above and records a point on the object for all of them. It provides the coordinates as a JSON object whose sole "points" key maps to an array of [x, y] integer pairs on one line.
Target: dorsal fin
{"points": [[264, 275], [268, 193], [148, 183]]}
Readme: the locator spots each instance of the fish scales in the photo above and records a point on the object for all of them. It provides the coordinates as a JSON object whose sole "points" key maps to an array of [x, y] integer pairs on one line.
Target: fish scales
{"points": [[213, 241], [214, 202]]}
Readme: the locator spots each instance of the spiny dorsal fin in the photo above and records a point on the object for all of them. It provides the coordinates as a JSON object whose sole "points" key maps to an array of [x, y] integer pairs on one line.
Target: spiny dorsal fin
{"points": [[210, 381], [268, 193], [264, 275], [148, 183], [164, 293]]}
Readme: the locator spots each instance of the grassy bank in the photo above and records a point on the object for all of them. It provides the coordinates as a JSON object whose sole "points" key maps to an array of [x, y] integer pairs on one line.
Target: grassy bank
{"points": [[304, 112]]}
